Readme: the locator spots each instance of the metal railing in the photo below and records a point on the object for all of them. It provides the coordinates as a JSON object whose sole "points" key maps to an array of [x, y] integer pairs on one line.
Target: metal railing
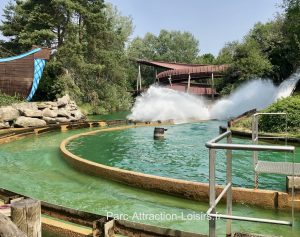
{"points": [[213, 146], [255, 137]]}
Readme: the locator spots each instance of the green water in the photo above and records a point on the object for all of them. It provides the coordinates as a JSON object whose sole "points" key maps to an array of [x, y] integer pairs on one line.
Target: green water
{"points": [[33, 166], [181, 155]]}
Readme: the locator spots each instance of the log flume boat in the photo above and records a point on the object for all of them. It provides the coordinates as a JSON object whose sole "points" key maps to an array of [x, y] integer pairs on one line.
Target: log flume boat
{"points": [[20, 75]]}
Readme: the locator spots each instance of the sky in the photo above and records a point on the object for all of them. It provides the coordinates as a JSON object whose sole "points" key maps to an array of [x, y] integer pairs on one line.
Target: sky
{"points": [[212, 22]]}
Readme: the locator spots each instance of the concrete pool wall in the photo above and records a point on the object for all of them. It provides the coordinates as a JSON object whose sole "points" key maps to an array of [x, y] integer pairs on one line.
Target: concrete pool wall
{"points": [[192, 190]]}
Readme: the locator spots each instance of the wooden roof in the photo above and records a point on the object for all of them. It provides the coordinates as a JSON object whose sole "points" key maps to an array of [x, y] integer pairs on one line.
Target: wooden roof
{"points": [[168, 65], [181, 71], [195, 72]]}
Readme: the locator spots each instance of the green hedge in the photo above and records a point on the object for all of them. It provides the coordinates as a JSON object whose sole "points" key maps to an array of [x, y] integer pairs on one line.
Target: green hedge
{"points": [[291, 106]]}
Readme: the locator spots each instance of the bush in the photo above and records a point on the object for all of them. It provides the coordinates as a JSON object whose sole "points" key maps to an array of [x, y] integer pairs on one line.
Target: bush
{"points": [[291, 106], [8, 100]]}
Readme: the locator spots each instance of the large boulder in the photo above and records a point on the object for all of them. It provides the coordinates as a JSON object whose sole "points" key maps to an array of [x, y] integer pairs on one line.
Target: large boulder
{"points": [[32, 113], [43, 105], [77, 115], [62, 119], [50, 120], [25, 105], [49, 113], [25, 122], [8, 113], [63, 113], [4, 125], [63, 101]]}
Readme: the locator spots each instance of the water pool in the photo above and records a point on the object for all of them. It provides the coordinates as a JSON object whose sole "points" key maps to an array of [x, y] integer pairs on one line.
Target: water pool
{"points": [[33, 166], [181, 155]]}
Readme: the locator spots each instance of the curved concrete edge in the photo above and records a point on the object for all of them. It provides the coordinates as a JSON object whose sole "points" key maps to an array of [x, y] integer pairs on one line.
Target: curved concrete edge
{"points": [[12, 134], [186, 189]]}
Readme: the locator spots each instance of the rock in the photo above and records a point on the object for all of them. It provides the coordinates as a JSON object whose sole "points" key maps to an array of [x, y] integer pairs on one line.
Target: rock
{"points": [[4, 125], [49, 113], [25, 122], [25, 105], [77, 115], [62, 120], [51, 104], [43, 105], [49, 120], [8, 228], [63, 101], [8, 113], [32, 113], [63, 113]]}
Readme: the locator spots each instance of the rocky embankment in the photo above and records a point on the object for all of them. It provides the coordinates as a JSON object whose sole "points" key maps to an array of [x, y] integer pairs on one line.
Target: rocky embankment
{"points": [[35, 114]]}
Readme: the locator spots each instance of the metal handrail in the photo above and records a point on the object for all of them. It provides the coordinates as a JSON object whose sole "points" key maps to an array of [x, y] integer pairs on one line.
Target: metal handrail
{"points": [[213, 201], [250, 147]]}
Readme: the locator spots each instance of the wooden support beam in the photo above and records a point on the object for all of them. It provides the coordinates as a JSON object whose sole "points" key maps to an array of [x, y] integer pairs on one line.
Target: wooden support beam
{"points": [[26, 214]]}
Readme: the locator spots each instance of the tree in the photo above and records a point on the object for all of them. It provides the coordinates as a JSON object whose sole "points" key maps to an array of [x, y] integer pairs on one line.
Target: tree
{"points": [[169, 46], [246, 61], [273, 43], [89, 39], [207, 58]]}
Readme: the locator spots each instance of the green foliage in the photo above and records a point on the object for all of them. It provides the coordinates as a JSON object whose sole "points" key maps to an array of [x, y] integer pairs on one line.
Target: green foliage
{"points": [[8, 100], [291, 106], [250, 62], [273, 43], [291, 30], [170, 46], [89, 39], [207, 58]]}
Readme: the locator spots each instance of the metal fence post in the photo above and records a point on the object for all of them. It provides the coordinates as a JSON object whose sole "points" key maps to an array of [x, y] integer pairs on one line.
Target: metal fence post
{"points": [[255, 142], [212, 191], [229, 180]]}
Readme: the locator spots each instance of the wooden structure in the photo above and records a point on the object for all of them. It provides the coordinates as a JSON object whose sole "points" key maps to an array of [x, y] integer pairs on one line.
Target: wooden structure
{"points": [[196, 79], [20, 75], [26, 214]]}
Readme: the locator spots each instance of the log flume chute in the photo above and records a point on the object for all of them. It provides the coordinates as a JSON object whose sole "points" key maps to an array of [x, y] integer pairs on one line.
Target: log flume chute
{"points": [[20, 75]]}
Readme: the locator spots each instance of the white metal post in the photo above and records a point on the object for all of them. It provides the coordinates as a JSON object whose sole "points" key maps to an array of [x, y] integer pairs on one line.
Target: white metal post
{"points": [[229, 180], [189, 84], [255, 142], [212, 87], [212, 191], [170, 80], [140, 78]]}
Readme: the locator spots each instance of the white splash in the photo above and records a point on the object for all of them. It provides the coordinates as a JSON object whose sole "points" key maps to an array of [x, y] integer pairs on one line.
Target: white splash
{"points": [[159, 103], [253, 94], [287, 87]]}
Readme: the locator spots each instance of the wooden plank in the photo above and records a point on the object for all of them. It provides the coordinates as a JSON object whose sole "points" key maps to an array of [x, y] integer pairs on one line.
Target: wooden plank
{"points": [[16, 76]]}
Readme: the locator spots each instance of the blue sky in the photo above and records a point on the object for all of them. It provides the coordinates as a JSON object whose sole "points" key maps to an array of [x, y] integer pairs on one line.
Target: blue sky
{"points": [[212, 22]]}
